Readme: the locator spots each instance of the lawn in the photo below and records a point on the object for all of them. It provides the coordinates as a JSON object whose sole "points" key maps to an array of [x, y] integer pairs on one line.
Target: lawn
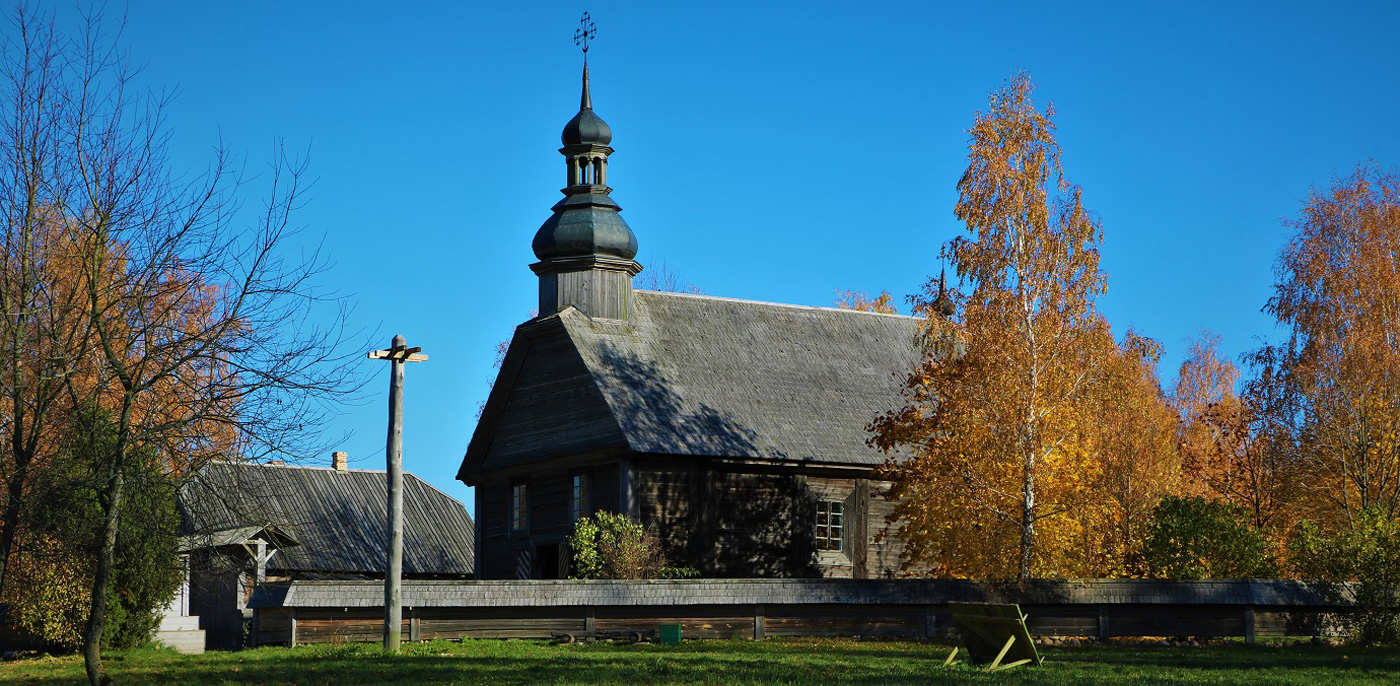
{"points": [[809, 661]]}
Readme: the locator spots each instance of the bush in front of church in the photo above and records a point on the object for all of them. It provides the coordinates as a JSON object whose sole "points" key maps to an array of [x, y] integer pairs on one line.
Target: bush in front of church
{"points": [[615, 546]]}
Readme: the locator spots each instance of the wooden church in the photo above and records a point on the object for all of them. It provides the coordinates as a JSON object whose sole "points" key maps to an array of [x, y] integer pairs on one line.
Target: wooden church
{"points": [[736, 429]]}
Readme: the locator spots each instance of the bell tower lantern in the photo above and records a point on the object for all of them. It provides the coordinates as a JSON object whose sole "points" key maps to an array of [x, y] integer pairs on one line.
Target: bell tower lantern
{"points": [[585, 248]]}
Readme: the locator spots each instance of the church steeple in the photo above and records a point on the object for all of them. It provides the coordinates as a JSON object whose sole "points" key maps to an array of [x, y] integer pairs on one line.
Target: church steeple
{"points": [[586, 248], [943, 304]]}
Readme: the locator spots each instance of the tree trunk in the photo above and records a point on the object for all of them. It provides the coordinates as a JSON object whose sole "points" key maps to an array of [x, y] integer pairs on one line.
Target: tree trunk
{"points": [[1027, 520], [14, 491], [97, 618]]}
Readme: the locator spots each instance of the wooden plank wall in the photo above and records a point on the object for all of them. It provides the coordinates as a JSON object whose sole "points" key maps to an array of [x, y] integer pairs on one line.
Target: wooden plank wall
{"points": [[276, 626], [735, 524], [553, 389], [883, 547], [493, 529], [509, 622], [549, 493]]}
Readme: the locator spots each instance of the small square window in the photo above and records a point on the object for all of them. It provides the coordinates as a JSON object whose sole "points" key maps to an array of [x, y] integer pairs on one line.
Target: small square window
{"points": [[830, 524], [519, 509], [578, 500]]}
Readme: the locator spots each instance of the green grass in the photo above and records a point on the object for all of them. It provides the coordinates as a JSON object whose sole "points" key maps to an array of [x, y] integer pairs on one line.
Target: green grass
{"points": [[721, 662]]}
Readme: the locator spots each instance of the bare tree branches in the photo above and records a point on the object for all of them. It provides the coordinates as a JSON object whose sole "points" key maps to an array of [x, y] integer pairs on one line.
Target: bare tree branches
{"points": [[164, 302]]}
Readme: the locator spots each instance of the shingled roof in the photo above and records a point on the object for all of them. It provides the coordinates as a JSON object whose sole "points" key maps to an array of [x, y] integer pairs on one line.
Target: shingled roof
{"points": [[337, 518], [700, 375]]}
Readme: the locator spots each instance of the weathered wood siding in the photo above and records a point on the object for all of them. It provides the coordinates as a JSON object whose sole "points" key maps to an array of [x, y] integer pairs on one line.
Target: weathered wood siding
{"points": [[507, 554], [728, 523], [552, 388], [883, 547], [697, 621], [496, 552], [273, 626], [846, 620], [510, 622], [329, 625], [349, 625], [667, 500], [217, 598], [605, 482], [334, 611]]}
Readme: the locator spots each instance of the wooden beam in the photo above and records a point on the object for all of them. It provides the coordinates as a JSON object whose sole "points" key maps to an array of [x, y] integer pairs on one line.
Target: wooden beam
{"points": [[1005, 647], [402, 355]]}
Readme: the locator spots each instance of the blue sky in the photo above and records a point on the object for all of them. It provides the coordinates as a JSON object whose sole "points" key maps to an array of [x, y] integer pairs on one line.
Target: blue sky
{"points": [[770, 151]]}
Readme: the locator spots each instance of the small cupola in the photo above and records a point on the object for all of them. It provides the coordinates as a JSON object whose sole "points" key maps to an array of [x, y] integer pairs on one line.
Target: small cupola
{"points": [[585, 248]]}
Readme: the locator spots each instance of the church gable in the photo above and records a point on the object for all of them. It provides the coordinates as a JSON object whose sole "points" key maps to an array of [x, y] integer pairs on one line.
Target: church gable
{"points": [[545, 404]]}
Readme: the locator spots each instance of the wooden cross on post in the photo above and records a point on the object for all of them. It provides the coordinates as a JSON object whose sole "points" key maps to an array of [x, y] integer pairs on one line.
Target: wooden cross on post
{"points": [[393, 452]]}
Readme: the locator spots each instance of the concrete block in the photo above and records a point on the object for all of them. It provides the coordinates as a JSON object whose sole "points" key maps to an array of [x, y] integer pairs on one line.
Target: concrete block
{"points": [[185, 641]]}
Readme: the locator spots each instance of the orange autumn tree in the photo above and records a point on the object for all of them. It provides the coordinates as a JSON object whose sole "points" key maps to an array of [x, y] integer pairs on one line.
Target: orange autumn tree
{"points": [[1338, 295], [43, 345], [1132, 438], [44, 576], [997, 430], [1230, 448], [49, 564], [858, 300]]}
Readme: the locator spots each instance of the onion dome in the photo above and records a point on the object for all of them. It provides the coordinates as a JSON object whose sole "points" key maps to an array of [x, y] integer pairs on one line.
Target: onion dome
{"points": [[585, 224]]}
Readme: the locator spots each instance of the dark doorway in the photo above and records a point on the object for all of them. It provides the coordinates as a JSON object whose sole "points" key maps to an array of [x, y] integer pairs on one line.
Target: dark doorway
{"points": [[547, 559]]}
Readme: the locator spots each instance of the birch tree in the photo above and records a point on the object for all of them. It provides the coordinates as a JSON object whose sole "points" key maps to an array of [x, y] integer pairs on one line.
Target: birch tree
{"points": [[1338, 295], [997, 416]]}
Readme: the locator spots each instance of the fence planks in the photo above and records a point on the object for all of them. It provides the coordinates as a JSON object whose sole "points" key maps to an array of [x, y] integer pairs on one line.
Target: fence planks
{"points": [[326, 611]]}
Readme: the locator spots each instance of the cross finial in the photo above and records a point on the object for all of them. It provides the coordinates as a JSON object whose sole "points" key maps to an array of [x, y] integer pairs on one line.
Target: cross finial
{"points": [[585, 32]]}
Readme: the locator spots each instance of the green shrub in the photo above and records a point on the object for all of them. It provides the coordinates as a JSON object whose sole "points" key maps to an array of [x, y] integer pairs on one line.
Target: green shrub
{"points": [[1195, 538], [1367, 553], [53, 592], [614, 546]]}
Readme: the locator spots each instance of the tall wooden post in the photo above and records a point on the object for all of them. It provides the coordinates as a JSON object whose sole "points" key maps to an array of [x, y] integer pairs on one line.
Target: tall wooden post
{"points": [[393, 453]]}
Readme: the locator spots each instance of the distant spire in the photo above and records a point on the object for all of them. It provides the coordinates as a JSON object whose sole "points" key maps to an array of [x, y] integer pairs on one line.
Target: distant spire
{"points": [[943, 304]]}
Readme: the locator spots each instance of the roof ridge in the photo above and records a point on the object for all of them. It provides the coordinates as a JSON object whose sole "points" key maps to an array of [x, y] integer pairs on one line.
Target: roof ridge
{"points": [[307, 467], [670, 294]]}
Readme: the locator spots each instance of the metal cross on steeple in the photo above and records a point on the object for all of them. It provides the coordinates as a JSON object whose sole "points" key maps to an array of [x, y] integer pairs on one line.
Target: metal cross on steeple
{"points": [[585, 32]]}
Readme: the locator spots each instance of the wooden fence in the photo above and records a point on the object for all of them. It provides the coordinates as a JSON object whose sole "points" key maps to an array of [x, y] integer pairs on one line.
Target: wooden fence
{"points": [[325, 611]]}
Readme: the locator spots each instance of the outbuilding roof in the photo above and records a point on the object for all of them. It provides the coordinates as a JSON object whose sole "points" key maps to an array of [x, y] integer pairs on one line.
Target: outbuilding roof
{"points": [[701, 375], [337, 518]]}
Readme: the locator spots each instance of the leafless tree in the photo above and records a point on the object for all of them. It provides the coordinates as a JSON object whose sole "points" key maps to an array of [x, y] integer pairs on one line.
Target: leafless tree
{"points": [[41, 333], [199, 335]]}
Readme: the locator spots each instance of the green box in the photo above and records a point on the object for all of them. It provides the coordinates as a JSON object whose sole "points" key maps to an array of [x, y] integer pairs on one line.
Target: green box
{"points": [[670, 634]]}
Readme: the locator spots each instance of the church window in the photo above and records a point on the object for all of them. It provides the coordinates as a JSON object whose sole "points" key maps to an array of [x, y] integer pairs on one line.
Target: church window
{"points": [[578, 501], [519, 517], [830, 523]]}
